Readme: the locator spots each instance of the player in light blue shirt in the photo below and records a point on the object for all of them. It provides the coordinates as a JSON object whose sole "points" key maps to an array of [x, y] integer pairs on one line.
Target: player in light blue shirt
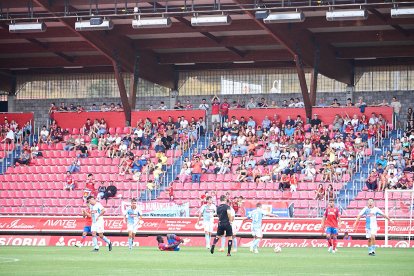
{"points": [[257, 216], [132, 218], [208, 211], [371, 227]]}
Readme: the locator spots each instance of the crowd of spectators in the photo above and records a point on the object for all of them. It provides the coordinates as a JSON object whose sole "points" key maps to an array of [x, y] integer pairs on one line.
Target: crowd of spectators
{"points": [[286, 152]]}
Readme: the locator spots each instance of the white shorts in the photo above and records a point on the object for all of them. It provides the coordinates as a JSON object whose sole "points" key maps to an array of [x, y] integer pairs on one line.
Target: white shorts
{"points": [[234, 228], [215, 118], [98, 227], [257, 232], [132, 228], [208, 226], [370, 232]]}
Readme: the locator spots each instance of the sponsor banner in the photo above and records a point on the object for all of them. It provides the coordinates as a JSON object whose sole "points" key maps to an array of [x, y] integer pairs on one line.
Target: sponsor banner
{"points": [[273, 226], [244, 243], [159, 209], [279, 208]]}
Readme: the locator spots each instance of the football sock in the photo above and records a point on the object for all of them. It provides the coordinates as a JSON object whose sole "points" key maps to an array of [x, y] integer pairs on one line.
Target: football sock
{"points": [[229, 244], [235, 243], [207, 236], [215, 240], [106, 239], [369, 249], [130, 242], [329, 241], [223, 241], [95, 242], [334, 243], [256, 243]]}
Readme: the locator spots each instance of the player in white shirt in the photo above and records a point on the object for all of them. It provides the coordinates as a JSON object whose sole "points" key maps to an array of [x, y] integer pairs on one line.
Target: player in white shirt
{"points": [[97, 212], [132, 218], [371, 227], [256, 216], [207, 211]]}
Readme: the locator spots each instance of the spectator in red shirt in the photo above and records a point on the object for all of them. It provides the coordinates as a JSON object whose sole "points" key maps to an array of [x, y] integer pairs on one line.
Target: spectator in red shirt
{"points": [[215, 110], [170, 191], [224, 110], [70, 182]]}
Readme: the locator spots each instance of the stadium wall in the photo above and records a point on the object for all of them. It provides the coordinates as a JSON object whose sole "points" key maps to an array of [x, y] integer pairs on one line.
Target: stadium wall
{"points": [[40, 107]]}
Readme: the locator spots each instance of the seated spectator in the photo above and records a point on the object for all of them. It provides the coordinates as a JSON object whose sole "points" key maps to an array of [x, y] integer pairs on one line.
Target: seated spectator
{"points": [[102, 127], [34, 150], [24, 158], [320, 192], [242, 176], [83, 150], [404, 182], [44, 135], [284, 182], [294, 179], [101, 190], [310, 173], [94, 144], [371, 181], [70, 143], [110, 192], [392, 181], [70, 182], [347, 236], [56, 135], [74, 166], [185, 174], [87, 127]]}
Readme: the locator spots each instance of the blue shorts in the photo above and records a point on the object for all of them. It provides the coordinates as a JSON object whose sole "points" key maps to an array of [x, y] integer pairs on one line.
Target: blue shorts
{"points": [[331, 230], [87, 229]]}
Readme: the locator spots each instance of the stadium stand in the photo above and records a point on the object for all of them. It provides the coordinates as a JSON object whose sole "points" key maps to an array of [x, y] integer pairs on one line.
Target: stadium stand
{"points": [[242, 157]]}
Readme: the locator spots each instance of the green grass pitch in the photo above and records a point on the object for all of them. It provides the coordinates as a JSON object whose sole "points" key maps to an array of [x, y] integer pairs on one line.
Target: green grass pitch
{"points": [[59, 261]]}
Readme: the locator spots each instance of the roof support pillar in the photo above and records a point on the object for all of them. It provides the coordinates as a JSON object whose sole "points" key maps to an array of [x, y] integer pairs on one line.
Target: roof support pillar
{"points": [[134, 84], [121, 86], [303, 86]]}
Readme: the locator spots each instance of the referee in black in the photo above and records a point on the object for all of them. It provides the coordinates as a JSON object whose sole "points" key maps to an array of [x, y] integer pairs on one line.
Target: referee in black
{"points": [[224, 224]]}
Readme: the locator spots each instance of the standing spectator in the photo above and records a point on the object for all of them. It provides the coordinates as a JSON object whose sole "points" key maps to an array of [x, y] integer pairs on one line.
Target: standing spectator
{"points": [[188, 105], [162, 106], [396, 106], [204, 105], [53, 108], [170, 191], [215, 110], [196, 170], [251, 104]]}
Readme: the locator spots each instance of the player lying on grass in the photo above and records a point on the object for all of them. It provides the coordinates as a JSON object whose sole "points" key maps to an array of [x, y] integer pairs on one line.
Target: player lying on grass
{"points": [[173, 243]]}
